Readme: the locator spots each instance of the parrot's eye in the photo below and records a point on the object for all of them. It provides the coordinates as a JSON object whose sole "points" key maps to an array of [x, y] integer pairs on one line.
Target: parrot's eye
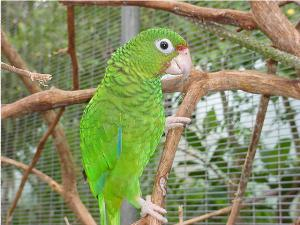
{"points": [[164, 45]]}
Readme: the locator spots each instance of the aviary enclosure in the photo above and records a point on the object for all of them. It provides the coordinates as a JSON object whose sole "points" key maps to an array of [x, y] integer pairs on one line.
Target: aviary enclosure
{"points": [[238, 162]]}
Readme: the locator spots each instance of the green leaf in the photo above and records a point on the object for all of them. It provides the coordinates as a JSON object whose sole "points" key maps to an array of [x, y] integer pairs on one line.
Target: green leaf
{"points": [[276, 157], [210, 122], [194, 140]]}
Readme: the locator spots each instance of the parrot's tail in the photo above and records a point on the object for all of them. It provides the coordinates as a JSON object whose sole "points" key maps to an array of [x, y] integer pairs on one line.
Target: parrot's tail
{"points": [[109, 215]]}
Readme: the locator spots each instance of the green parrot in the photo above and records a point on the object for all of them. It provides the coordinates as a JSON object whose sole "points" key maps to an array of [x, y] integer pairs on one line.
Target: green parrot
{"points": [[122, 124]]}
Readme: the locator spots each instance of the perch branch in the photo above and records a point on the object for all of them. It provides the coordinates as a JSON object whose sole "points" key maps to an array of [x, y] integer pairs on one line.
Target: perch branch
{"points": [[35, 159], [59, 138], [247, 168], [41, 78], [72, 46], [251, 43], [249, 81], [224, 16], [194, 93], [43, 177], [279, 29]]}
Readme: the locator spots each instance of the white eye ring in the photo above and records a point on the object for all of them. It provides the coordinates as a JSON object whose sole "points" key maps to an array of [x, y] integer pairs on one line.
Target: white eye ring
{"points": [[164, 45]]}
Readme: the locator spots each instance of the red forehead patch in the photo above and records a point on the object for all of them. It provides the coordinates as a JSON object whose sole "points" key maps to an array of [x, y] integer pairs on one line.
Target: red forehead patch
{"points": [[181, 47]]}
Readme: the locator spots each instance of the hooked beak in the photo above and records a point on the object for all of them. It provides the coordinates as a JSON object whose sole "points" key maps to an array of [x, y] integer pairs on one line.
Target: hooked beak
{"points": [[181, 64]]}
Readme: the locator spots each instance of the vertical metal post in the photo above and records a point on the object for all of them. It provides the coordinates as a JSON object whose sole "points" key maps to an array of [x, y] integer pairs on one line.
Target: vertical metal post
{"points": [[130, 17], [130, 22]]}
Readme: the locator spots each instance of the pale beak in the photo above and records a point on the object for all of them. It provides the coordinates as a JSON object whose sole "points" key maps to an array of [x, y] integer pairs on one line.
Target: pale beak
{"points": [[181, 64]]}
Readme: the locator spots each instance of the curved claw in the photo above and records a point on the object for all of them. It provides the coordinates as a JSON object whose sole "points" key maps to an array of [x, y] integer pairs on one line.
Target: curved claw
{"points": [[149, 208]]}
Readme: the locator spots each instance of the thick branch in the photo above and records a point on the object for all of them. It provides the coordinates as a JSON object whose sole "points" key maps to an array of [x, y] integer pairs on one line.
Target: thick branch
{"points": [[35, 159], [41, 78], [223, 16], [276, 26], [72, 46], [249, 81]]}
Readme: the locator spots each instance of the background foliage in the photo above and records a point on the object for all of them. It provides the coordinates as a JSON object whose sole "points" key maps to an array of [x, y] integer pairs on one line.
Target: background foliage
{"points": [[213, 147]]}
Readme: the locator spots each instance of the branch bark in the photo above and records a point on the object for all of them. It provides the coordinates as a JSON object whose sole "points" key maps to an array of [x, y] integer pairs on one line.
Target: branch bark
{"points": [[59, 137], [249, 81], [276, 26], [35, 159], [223, 16]]}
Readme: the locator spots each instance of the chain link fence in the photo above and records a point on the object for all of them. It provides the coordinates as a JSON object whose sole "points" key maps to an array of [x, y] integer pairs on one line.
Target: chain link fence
{"points": [[210, 155]]}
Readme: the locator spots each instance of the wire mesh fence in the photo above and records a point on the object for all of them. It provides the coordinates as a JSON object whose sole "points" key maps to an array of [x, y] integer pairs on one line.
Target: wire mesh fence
{"points": [[211, 152]]}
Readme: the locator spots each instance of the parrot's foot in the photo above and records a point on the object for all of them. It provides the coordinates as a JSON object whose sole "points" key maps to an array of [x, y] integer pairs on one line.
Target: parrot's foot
{"points": [[176, 121], [147, 207]]}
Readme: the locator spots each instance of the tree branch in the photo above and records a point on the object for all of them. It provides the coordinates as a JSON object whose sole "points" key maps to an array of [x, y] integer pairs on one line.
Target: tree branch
{"points": [[35, 159], [72, 46], [247, 168], [60, 141], [41, 78], [227, 209], [249, 81], [279, 29], [223, 16], [43, 177]]}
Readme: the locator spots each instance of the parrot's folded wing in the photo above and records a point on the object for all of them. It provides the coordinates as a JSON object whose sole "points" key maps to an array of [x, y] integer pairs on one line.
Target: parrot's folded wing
{"points": [[100, 147]]}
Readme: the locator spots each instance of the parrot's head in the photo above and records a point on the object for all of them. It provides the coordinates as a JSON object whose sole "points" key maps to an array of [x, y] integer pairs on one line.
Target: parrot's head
{"points": [[156, 52]]}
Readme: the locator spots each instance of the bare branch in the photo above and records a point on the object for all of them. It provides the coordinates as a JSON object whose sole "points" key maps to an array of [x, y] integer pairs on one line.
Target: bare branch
{"points": [[45, 178], [247, 168], [224, 16], [72, 46], [35, 159], [41, 78], [249, 81]]}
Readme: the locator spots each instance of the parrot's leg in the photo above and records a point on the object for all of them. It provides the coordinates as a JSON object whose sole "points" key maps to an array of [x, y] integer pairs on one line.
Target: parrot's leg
{"points": [[147, 207], [176, 121]]}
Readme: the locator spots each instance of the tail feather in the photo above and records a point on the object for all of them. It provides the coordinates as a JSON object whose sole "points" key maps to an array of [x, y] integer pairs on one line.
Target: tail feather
{"points": [[109, 214]]}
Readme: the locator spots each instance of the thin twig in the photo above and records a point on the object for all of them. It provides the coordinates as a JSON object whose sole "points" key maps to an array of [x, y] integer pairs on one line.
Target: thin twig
{"points": [[227, 209], [40, 77], [180, 214], [66, 220], [72, 46], [247, 168], [34, 161], [43, 177]]}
